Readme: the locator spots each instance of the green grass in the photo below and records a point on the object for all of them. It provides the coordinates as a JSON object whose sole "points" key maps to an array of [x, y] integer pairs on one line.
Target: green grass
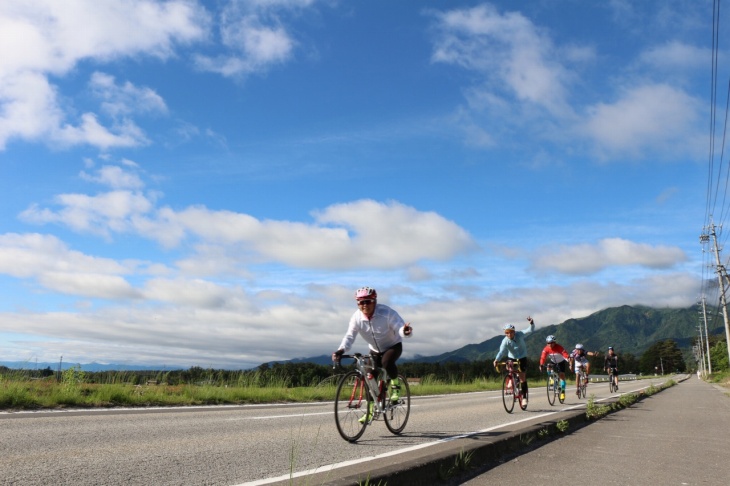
{"points": [[17, 392], [23, 394]]}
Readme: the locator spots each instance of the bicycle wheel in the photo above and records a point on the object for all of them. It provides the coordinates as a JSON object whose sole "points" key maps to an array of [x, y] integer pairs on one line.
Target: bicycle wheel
{"points": [[551, 390], [351, 404], [508, 393], [396, 414], [583, 387]]}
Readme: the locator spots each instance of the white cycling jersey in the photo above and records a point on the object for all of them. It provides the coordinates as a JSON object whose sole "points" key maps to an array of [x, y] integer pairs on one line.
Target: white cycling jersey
{"points": [[580, 362]]}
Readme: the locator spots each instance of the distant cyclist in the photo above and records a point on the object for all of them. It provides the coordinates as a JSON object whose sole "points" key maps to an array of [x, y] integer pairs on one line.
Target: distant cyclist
{"points": [[513, 347], [558, 355], [383, 329], [610, 364], [579, 356]]}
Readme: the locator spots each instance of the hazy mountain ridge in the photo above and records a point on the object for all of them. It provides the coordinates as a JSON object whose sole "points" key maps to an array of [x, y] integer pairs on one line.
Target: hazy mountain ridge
{"points": [[32, 365]]}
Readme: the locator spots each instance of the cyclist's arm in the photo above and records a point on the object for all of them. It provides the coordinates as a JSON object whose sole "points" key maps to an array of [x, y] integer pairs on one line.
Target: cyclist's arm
{"points": [[529, 329], [396, 323], [501, 353], [350, 335]]}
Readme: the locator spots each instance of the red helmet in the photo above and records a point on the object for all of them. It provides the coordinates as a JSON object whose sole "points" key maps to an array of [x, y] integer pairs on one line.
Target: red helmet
{"points": [[365, 293]]}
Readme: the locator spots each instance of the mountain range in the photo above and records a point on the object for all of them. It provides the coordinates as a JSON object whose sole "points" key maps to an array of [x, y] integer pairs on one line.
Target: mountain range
{"points": [[629, 329]]}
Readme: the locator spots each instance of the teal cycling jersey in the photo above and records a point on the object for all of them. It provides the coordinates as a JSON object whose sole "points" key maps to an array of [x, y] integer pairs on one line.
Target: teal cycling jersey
{"points": [[515, 348]]}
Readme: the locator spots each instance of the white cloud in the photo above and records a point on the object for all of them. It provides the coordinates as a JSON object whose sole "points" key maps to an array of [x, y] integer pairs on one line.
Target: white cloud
{"points": [[529, 83], [114, 177], [647, 117], [676, 56], [255, 38], [221, 326], [509, 51], [358, 234], [363, 233], [46, 37], [124, 100], [585, 259], [103, 214], [56, 267]]}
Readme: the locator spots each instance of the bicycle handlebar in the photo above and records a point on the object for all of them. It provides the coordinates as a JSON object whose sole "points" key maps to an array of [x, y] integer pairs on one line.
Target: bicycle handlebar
{"points": [[337, 363]]}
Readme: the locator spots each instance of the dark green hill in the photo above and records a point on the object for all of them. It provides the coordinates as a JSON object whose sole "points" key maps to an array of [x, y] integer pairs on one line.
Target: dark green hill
{"points": [[629, 329]]}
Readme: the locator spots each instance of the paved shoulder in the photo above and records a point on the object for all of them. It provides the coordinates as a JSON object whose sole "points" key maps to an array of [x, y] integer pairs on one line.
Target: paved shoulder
{"points": [[678, 436]]}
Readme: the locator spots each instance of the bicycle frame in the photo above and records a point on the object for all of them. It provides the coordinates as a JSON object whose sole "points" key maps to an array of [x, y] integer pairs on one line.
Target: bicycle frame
{"points": [[361, 400], [580, 382], [612, 380], [553, 383], [512, 387]]}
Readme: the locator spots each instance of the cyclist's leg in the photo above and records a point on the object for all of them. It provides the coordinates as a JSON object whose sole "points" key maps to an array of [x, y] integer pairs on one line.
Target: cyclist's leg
{"points": [[523, 376], [390, 356], [561, 373]]}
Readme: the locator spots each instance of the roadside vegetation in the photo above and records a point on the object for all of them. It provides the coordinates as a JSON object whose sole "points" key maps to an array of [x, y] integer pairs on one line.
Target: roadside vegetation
{"points": [[722, 378], [74, 388]]}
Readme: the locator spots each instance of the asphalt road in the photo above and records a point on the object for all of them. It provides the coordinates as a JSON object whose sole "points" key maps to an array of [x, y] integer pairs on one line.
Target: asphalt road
{"points": [[240, 445]]}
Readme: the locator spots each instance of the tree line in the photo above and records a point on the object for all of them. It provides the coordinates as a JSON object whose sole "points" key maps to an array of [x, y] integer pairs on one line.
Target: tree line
{"points": [[663, 356]]}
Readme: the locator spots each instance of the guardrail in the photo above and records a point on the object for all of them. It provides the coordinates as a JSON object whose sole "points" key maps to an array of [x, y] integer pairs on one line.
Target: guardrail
{"points": [[604, 378]]}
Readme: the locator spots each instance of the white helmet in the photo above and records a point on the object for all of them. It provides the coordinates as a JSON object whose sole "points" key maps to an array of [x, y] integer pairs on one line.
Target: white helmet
{"points": [[578, 346], [550, 339]]}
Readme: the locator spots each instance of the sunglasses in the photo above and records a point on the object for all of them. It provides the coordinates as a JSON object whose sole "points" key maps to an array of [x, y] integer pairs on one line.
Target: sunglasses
{"points": [[365, 302]]}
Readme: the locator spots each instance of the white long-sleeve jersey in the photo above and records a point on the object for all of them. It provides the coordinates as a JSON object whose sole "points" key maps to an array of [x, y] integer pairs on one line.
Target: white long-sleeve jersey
{"points": [[382, 331]]}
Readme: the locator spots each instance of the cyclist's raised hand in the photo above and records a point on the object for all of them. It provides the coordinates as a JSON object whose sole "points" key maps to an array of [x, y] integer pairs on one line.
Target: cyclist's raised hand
{"points": [[407, 329]]}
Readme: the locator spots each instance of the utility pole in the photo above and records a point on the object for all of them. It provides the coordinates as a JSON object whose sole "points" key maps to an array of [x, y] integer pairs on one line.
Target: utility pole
{"points": [[700, 345], [721, 272], [707, 337], [699, 352]]}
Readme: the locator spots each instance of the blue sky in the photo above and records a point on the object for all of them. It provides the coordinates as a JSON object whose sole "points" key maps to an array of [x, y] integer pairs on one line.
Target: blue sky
{"points": [[207, 183]]}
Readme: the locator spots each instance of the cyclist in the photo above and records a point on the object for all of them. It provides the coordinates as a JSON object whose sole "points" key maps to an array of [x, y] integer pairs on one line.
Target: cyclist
{"points": [[557, 355], [610, 364], [383, 329], [513, 347], [579, 356]]}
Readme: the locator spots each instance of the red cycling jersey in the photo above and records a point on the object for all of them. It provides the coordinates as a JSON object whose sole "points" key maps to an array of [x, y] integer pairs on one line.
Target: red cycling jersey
{"points": [[556, 352]]}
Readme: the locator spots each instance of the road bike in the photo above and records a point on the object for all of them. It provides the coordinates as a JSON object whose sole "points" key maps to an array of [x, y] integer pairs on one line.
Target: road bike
{"points": [[581, 382], [553, 385], [612, 385], [362, 397], [512, 386]]}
